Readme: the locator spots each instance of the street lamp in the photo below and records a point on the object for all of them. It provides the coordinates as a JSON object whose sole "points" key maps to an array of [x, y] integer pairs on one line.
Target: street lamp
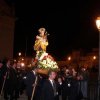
{"points": [[94, 57], [98, 27], [22, 59], [19, 53], [98, 23], [69, 58], [22, 64], [14, 60], [19, 56]]}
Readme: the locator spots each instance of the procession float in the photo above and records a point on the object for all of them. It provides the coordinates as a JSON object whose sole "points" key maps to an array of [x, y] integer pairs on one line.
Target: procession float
{"points": [[43, 60]]}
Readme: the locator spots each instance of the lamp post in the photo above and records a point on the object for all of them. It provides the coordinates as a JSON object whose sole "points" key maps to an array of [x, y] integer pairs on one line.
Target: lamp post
{"points": [[69, 58], [98, 27], [93, 62], [98, 23], [19, 54], [94, 57]]}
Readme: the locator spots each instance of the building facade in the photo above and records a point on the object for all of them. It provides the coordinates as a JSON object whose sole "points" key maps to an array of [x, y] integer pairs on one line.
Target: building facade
{"points": [[7, 22]]}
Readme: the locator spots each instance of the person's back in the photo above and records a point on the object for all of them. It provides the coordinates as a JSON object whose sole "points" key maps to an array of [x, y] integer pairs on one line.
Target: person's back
{"points": [[30, 78], [32, 84]]}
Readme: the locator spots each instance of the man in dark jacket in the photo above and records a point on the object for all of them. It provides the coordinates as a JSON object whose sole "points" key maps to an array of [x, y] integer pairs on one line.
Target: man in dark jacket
{"points": [[49, 90], [10, 82], [6, 73], [70, 87], [31, 78]]}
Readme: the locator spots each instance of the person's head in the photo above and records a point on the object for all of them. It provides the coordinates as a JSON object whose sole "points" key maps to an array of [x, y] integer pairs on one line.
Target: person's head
{"points": [[42, 31], [4, 61], [18, 65], [14, 65], [83, 69], [8, 63], [74, 73], [67, 72], [59, 79], [52, 74]]}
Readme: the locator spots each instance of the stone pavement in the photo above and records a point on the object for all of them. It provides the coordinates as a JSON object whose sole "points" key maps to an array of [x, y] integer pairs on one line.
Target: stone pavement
{"points": [[22, 97]]}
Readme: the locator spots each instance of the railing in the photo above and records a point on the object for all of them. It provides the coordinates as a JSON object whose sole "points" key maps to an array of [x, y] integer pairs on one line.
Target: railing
{"points": [[93, 90]]}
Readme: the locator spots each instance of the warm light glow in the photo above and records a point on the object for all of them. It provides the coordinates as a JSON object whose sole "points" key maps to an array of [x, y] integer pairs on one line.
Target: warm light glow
{"points": [[98, 23], [19, 53], [14, 60], [69, 58], [22, 59], [30, 65], [22, 64], [94, 57]]}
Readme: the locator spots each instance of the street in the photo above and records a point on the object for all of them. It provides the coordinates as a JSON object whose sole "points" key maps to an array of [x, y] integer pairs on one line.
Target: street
{"points": [[22, 97]]}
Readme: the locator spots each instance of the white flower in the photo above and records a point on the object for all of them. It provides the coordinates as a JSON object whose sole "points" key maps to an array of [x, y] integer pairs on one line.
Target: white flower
{"points": [[43, 55], [44, 61], [47, 62]]}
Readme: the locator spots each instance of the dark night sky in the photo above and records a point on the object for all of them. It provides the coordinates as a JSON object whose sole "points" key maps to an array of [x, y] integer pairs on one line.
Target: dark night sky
{"points": [[71, 25]]}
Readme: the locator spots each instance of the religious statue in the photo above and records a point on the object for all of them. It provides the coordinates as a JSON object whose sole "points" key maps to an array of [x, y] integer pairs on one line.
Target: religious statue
{"points": [[41, 41], [43, 60]]}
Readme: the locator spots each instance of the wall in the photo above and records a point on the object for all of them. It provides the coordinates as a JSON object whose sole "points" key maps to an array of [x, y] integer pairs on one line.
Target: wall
{"points": [[6, 30], [6, 36]]}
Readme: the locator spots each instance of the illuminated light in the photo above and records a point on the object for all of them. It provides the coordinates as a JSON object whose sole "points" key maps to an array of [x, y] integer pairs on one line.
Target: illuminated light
{"points": [[69, 58], [98, 23], [22, 64], [94, 57], [30, 65], [19, 53], [22, 59], [15, 60]]}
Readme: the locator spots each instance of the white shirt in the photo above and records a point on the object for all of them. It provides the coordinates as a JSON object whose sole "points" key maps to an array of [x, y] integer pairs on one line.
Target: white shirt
{"points": [[34, 72], [60, 83], [51, 81]]}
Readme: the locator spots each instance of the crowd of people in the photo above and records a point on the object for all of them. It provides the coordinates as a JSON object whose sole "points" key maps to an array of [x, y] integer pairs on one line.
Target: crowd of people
{"points": [[66, 84]]}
